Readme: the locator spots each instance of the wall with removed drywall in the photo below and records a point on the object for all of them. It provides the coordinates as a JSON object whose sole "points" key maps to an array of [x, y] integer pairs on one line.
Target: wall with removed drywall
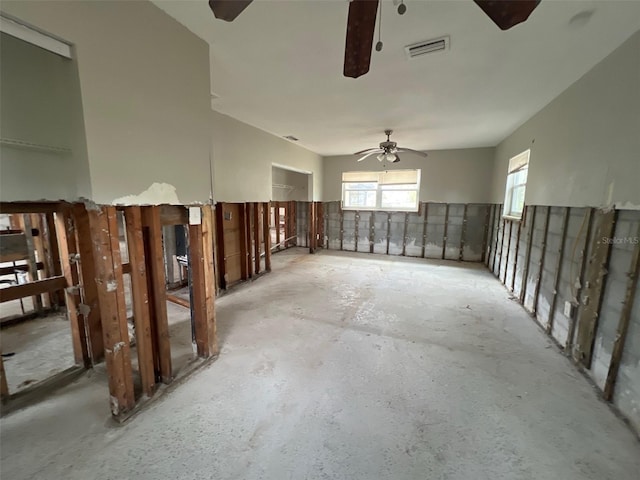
{"points": [[144, 80], [41, 107], [243, 157], [585, 146], [449, 176]]}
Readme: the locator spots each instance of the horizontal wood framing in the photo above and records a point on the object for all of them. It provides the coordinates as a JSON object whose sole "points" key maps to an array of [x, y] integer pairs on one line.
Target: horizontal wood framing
{"points": [[38, 287]]}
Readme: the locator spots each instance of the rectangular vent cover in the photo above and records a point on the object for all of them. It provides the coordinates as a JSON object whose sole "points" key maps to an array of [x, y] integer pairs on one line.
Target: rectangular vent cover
{"points": [[428, 46], [291, 137]]}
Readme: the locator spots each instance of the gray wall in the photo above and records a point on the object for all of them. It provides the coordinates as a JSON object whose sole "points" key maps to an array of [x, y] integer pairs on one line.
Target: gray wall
{"points": [[450, 176], [41, 105], [585, 145], [145, 95]]}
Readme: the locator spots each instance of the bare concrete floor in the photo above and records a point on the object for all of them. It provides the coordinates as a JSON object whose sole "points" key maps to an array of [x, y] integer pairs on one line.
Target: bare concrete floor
{"points": [[347, 366]]}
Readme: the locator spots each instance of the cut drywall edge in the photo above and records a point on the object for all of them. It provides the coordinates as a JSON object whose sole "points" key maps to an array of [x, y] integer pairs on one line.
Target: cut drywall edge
{"points": [[626, 206], [156, 194]]}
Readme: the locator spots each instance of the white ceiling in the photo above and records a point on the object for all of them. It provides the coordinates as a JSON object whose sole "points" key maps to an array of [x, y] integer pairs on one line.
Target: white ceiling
{"points": [[278, 67]]}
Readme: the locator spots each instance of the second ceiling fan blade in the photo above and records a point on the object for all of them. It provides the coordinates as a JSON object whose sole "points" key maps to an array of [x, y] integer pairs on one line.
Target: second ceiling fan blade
{"points": [[228, 10], [361, 26], [507, 13]]}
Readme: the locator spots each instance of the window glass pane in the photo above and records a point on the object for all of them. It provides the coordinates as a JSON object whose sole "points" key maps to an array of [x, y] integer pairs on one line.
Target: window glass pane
{"points": [[517, 200], [405, 199], [360, 199]]}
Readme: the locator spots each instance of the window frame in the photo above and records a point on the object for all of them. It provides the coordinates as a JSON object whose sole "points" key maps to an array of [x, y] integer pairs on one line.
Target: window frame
{"points": [[380, 188], [517, 164]]}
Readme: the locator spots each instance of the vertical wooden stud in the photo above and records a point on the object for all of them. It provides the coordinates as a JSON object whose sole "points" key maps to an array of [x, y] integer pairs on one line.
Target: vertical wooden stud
{"points": [[424, 228], [558, 269], [515, 257], [244, 251], [463, 234], [220, 253], [140, 298], [446, 228], [356, 233], [527, 254], [31, 260], [372, 231], [54, 255], [545, 233], [256, 236], [388, 231], [110, 283], [488, 227], [266, 233], [404, 234], [506, 260]]}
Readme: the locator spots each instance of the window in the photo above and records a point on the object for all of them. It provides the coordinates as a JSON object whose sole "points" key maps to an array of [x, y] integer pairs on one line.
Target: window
{"points": [[395, 190], [516, 185]]}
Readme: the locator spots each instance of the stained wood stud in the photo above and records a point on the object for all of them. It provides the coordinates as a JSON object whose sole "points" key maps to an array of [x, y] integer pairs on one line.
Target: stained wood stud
{"points": [[341, 229], [140, 298], [276, 212], [256, 236], [244, 250], [154, 256], [40, 254], [54, 251], [506, 261], [623, 322], [558, 269], [372, 231], [404, 234], [463, 232], [488, 227], [515, 257], [388, 231], [31, 259], [356, 231], [65, 233], [595, 277], [110, 283], [497, 236], [250, 238], [424, 229], [445, 233], [220, 250], [530, 218], [90, 308], [266, 235]]}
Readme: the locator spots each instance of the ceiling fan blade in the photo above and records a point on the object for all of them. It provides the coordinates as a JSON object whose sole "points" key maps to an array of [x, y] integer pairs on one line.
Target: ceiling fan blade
{"points": [[369, 154], [228, 10], [361, 152], [361, 26], [507, 13], [417, 152]]}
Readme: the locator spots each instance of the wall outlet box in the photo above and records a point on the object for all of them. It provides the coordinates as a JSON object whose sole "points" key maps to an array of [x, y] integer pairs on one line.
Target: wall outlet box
{"points": [[568, 309]]}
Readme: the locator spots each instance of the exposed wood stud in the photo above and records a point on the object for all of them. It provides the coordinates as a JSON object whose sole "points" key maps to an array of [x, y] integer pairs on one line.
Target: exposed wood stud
{"points": [[506, 260], [488, 227], [157, 292], [463, 232], [529, 215], [446, 227], [623, 323], [404, 234], [220, 251], [588, 218], [595, 277], [110, 283], [201, 250], [40, 254], [545, 233], [372, 231], [250, 238], [276, 214], [312, 227], [54, 254], [558, 269], [515, 257], [65, 233], [31, 259], [244, 250], [91, 304], [256, 236], [4, 386], [356, 230], [341, 229], [497, 236], [140, 298], [15, 292], [266, 234], [388, 231], [424, 229]]}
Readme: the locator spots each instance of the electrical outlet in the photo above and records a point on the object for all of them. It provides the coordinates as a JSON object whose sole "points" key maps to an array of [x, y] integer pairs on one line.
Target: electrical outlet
{"points": [[568, 309]]}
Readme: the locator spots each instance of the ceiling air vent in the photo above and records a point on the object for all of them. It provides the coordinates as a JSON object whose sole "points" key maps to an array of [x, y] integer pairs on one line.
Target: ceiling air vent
{"points": [[291, 137], [428, 46]]}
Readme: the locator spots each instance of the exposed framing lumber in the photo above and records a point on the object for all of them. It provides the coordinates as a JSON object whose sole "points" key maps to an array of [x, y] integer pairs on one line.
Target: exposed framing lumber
{"points": [[250, 238], [65, 233], [201, 251], [276, 214], [545, 233], [388, 231], [372, 231], [506, 261], [32, 207], [40, 254], [558, 270], [266, 232], [320, 225], [463, 232], [19, 268], [244, 239], [515, 258], [404, 234], [623, 323], [220, 253], [54, 255], [25, 221], [444, 235], [424, 229], [312, 227], [256, 236], [4, 387], [595, 278], [90, 310], [588, 218], [356, 232], [527, 255], [488, 227], [110, 283], [14, 292], [140, 298], [342, 229], [157, 292], [497, 235], [173, 215]]}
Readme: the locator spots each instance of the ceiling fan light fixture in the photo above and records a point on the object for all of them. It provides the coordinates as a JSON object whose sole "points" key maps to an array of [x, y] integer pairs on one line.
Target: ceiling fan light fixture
{"points": [[381, 157]]}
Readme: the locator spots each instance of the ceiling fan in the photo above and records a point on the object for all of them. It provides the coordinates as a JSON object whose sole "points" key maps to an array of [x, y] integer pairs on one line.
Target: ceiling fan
{"points": [[361, 24], [388, 151]]}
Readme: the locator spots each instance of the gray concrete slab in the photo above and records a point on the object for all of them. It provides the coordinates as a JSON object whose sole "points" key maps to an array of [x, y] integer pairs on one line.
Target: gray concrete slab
{"points": [[347, 366]]}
